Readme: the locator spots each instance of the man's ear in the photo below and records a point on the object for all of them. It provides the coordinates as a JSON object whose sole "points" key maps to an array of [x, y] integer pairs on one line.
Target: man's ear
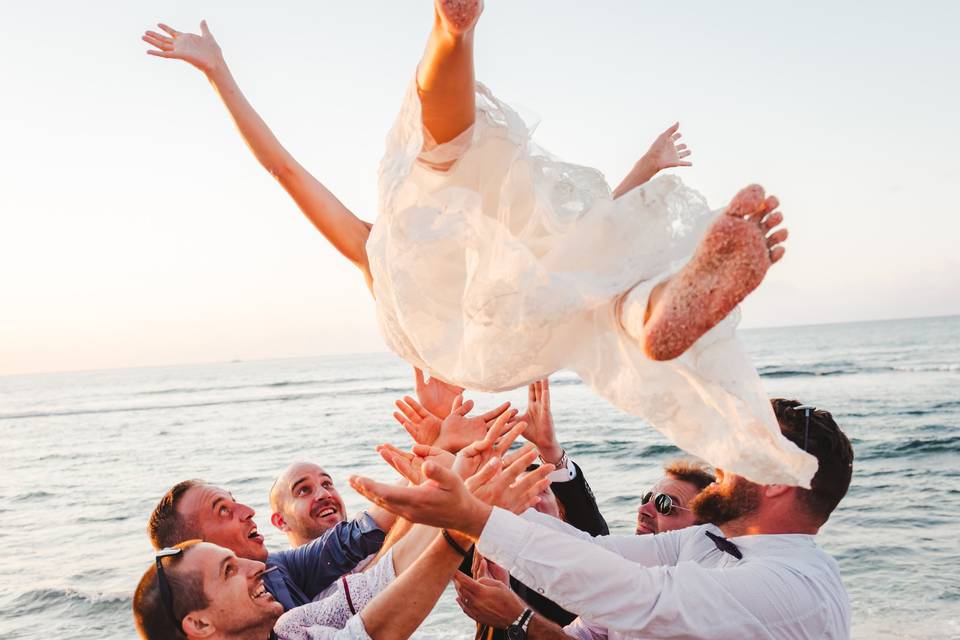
{"points": [[776, 490], [277, 520], [196, 624]]}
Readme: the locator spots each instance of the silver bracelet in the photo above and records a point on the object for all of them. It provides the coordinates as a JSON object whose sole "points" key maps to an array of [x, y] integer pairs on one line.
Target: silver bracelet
{"points": [[562, 463]]}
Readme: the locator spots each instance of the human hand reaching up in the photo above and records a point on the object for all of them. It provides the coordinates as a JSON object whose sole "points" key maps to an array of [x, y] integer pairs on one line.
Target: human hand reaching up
{"points": [[667, 151], [435, 395], [539, 419], [454, 432], [201, 51]]}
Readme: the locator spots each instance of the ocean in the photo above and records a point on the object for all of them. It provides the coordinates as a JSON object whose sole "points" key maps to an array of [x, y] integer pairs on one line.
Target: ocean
{"points": [[85, 456]]}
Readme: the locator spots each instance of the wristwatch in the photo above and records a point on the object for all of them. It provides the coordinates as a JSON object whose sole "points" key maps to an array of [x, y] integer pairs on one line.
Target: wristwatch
{"points": [[518, 630]]}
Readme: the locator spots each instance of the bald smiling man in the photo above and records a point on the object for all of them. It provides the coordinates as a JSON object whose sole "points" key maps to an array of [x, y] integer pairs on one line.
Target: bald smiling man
{"points": [[305, 503]]}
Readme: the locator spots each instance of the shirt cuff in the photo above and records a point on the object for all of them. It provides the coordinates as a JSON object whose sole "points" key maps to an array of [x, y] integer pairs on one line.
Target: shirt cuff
{"points": [[563, 475], [504, 535]]}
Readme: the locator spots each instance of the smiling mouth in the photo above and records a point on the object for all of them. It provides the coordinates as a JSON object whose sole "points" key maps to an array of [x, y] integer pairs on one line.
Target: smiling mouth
{"points": [[260, 593], [326, 512], [255, 536]]}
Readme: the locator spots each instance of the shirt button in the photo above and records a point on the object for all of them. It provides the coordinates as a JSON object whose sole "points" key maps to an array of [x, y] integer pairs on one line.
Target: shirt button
{"points": [[540, 590]]}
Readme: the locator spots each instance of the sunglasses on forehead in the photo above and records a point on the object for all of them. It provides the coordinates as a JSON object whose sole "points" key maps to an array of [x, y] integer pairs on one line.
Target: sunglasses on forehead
{"points": [[166, 593], [661, 502]]}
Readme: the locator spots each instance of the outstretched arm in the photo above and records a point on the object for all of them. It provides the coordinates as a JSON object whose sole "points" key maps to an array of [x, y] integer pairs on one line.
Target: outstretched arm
{"points": [[665, 152], [347, 233]]}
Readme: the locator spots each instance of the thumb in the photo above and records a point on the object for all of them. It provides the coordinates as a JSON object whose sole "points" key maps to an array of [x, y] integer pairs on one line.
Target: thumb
{"points": [[203, 28], [490, 582], [445, 478]]}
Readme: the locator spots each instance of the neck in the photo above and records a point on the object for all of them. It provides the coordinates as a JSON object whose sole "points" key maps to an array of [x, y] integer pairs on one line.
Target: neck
{"points": [[258, 632], [751, 526]]}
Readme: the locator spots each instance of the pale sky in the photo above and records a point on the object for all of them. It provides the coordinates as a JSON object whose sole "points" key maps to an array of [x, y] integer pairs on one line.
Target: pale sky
{"points": [[136, 229]]}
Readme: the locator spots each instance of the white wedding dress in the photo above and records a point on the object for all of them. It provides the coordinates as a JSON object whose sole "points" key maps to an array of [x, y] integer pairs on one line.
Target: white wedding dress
{"points": [[495, 264]]}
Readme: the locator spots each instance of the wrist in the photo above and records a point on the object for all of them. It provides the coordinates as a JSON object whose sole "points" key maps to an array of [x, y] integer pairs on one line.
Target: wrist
{"points": [[217, 70], [477, 520], [645, 168], [552, 454]]}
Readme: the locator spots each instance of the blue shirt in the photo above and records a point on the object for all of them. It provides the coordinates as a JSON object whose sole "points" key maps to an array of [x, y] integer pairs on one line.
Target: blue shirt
{"points": [[309, 569]]}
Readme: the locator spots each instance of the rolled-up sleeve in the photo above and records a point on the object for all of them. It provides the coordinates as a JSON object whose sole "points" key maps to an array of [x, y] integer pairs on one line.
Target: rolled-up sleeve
{"points": [[745, 601], [317, 564]]}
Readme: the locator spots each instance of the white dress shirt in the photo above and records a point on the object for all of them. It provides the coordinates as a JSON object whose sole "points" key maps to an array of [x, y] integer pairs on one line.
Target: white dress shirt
{"points": [[676, 584]]}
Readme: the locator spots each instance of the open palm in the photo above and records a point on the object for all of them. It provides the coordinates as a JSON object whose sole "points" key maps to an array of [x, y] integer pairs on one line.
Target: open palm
{"points": [[202, 51], [667, 151]]}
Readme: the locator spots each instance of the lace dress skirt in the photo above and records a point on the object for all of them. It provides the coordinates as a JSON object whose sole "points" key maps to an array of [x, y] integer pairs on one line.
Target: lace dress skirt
{"points": [[495, 264]]}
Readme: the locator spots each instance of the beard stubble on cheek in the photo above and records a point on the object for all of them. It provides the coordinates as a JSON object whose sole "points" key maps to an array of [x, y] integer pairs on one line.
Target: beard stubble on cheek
{"points": [[719, 505]]}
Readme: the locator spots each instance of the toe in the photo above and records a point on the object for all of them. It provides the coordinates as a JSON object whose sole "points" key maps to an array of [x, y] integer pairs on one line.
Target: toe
{"points": [[776, 253], [770, 204], [748, 202], [772, 220], [776, 238]]}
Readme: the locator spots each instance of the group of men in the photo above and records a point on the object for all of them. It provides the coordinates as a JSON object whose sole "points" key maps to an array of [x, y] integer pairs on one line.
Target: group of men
{"points": [[714, 555]]}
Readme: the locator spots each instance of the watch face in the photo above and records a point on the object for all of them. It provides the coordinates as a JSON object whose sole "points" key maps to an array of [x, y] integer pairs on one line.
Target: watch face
{"points": [[515, 632]]}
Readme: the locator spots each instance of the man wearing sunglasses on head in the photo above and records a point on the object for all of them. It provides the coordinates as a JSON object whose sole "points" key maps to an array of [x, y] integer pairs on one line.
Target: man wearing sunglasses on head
{"points": [[193, 509], [755, 573]]}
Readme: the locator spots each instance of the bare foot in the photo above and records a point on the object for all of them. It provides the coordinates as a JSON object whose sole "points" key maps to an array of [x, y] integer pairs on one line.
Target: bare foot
{"points": [[459, 16], [730, 262]]}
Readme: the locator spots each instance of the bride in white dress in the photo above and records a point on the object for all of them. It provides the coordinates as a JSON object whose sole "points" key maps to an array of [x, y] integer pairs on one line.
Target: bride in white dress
{"points": [[494, 264]]}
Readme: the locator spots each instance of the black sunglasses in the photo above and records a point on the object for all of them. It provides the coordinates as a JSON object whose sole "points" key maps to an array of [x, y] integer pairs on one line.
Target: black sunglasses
{"points": [[166, 595], [806, 408], [661, 502]]}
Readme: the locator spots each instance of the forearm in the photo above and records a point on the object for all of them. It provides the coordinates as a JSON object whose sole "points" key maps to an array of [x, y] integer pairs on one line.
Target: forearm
{"points": [[412, 546], [347, 233], [398, 610], [542, 629], [641, 173]]}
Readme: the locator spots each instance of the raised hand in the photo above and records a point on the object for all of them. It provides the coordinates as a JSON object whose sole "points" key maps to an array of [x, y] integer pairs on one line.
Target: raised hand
{"points": [[665, 152], [494, 444], [436, 395], [539, 421], [202, 51], [423, 426], [510, 489], [408, 464], [445, 500]]}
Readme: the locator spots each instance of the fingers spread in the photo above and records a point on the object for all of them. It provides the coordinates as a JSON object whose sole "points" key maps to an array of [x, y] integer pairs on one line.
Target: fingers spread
{"points": [[173, 32], [495, 413]]}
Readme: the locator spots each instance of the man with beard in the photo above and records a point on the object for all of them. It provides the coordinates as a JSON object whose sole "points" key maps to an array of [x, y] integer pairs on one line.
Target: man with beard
{"points": [[765, 579], [305, 503]]}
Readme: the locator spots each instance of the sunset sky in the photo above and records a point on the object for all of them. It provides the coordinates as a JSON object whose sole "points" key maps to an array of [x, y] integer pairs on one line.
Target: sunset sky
{"points": [[136, 229]]}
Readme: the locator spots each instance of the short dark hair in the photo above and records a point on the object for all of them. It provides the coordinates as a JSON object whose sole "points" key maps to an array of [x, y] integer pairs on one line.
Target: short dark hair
{"points": [[829, 445], [149, 614], [167, 526], [696, 472]]}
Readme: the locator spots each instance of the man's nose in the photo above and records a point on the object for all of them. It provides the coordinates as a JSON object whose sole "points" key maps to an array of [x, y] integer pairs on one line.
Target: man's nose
{"points": [[322, 493], [648, 509], [245, 512], [252, 568]]}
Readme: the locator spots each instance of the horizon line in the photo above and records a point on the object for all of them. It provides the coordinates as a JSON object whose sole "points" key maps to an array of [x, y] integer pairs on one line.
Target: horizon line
{"points": [[385, 352]]}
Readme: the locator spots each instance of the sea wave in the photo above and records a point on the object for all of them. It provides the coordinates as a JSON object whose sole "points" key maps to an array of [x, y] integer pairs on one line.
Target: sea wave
{"points": [[42, 600], [258, 385], [826, 370], [212, 403], [911, 448]]}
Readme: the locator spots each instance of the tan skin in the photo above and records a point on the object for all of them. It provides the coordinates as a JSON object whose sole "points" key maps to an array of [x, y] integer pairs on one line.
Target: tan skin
{"points": [[649, 520], [306, 503], [223, 521], [240, 607], [447, 505]]}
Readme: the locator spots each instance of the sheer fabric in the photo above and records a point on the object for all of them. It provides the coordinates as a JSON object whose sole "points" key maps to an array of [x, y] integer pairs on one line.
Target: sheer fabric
{"points": [[495, 264], [332, 617]]}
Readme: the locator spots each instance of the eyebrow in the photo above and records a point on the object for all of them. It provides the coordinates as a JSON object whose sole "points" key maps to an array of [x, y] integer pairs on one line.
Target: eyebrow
{"points": [[216, 502], [293, 487]]}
